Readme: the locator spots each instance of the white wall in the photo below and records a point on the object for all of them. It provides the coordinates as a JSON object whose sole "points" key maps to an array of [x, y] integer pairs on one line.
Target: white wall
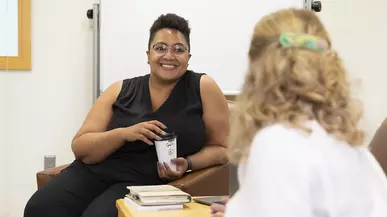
{"points": [[3, 176], [212, 51], [359, 32], [40, 110], [44, 108]]}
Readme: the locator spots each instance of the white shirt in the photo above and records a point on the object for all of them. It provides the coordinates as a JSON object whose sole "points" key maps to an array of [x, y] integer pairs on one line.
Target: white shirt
{"points": [[290, 173]]}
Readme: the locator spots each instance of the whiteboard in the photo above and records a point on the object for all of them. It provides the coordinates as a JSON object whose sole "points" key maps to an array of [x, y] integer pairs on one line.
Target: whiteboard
{"points": [[9, 28], [220, 36]]}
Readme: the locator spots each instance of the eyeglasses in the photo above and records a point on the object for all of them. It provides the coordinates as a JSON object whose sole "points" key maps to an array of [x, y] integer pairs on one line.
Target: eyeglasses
{"points": [[177, 49]]}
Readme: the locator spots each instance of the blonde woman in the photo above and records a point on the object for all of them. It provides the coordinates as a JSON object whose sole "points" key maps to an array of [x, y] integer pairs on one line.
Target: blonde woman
{"points": [[294, 132]]}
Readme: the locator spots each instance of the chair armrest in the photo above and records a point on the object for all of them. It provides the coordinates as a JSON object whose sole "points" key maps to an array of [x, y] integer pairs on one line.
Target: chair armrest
{"points": [[212, 181], [45, 176], [378, 145]]}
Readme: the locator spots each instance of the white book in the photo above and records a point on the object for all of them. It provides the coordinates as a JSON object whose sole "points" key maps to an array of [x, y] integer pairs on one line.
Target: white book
{"points": [[158, 195], [137, 207]]}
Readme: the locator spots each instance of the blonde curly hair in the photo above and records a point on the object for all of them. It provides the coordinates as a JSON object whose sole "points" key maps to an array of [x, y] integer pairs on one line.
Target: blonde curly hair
{"points": [[292, 85]]}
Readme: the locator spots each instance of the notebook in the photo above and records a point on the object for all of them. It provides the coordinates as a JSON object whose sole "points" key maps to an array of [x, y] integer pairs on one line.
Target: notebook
{"points": [[210, 200], [153, 195]]}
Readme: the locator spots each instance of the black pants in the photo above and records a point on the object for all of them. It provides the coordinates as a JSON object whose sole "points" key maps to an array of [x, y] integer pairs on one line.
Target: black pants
{"points": [[76, 192]]}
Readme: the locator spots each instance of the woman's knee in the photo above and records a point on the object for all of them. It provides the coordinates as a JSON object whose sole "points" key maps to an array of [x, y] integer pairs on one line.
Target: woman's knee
{"points": [[36, 206], [68, 194], [46, 204]]}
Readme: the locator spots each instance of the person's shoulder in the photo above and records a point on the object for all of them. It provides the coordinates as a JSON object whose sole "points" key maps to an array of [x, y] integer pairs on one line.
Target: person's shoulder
{"points": [[284, 139], [192, 81], [201, 76], [282, 150], [204, 85], [194, 74], [284, 143], [281, 133], [192, 78], [206, 82], [135, 80], [126, 86], [211, 92]]}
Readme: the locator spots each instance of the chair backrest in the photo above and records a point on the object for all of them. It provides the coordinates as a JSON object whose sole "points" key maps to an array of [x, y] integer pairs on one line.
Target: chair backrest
{"points": [[233, 170], [378, 145]]}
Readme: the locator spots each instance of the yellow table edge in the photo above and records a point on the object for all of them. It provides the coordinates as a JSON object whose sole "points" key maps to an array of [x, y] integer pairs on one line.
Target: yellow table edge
{"points": [[124, 211]]}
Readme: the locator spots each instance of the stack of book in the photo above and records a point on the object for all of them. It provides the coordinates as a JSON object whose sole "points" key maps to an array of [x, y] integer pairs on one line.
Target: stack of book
{"points": [[156, 197]]}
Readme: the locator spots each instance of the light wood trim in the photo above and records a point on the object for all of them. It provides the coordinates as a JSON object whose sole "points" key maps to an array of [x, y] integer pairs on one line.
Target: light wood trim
{"points": [[123, 210], [23, 60], [230, 97], [190, 210]]}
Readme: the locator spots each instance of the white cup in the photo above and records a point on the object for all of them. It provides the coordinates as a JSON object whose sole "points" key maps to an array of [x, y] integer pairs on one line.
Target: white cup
{"points": [[166, 149]]}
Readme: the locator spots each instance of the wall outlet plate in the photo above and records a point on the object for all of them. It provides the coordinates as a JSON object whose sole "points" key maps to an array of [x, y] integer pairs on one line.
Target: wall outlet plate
{"points": [[49, 161]]}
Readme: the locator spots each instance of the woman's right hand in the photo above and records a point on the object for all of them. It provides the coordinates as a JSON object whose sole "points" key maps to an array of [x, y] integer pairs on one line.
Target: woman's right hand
{"points": [[218, 209], [144, 131]]}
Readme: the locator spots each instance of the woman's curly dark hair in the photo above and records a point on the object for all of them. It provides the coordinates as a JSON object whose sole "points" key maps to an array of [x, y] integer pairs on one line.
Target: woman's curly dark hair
{"points": [[171, 21]]}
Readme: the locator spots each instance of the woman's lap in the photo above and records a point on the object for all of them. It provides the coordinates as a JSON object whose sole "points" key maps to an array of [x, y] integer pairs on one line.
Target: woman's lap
{"points": [[76, 192], [104, 205]]}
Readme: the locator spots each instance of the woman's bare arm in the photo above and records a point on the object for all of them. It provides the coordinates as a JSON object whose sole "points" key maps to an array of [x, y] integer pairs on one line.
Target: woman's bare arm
{"points": [[93, 143], [216, 120]]}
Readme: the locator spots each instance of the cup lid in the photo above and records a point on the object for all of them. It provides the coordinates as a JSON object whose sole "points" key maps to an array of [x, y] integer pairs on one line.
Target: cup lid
{"points": [[167, 135]]}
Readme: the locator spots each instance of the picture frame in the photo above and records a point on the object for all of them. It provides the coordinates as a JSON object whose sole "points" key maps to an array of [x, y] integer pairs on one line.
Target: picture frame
{"points": [[22, 59]]}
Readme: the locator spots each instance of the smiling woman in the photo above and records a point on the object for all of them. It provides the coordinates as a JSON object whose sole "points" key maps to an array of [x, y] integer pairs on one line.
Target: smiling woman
{"points": [[114, 146], [169, 66], [15, 38], [164, 65]]}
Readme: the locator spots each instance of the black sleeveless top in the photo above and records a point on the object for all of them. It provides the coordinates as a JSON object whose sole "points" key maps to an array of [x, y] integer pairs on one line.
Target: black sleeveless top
{"points": [[182, 113]]}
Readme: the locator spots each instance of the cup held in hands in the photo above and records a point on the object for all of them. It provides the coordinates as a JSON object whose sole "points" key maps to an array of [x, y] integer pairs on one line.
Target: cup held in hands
{"points": [[166, 149]]}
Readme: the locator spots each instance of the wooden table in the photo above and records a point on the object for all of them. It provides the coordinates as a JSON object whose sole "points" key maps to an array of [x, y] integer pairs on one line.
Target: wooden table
{"points": [[192, 209]]}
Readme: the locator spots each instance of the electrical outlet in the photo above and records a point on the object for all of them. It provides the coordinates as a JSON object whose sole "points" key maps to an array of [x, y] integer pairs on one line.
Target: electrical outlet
{"points": [[49, 161]]}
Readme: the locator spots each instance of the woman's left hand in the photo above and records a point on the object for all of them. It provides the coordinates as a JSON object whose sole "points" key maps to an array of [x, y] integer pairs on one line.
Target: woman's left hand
{"points": [[166, 173]]}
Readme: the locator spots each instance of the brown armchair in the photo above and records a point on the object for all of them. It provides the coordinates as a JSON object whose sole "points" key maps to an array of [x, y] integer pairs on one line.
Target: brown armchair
{"points": [[378, 145], [210, 181]]}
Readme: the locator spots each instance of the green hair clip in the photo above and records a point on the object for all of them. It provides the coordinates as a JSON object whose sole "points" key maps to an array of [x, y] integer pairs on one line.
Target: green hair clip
{"points": [[311, 42]]}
